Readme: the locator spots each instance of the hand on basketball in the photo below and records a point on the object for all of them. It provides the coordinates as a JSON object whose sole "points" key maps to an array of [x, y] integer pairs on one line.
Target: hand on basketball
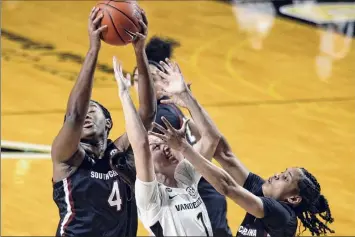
{"points": [[172, 83], [95, 29], [139, 40], [175, 139], [123, 83]]}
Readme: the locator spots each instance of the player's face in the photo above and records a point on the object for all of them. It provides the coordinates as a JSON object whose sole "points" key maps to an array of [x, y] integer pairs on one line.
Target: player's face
{"points": [[95, 122], [284, 185], [163, 157]]}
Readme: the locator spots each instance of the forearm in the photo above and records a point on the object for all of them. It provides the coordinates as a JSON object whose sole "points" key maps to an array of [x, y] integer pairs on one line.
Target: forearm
{"points": [[147, 98], [230, 163], [201, 119], [81, 93], [216, 176], [134, 127], [138, 138], [224, 183]]}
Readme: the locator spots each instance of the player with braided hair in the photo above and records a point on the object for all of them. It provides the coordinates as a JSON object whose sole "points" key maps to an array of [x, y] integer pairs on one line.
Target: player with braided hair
{"points": [[313, 203], [272, 205]]}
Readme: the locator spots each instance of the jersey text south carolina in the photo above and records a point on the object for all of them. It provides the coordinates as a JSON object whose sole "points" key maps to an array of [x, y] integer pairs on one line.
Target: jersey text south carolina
{"points": [[189, 206], [103, 176]]}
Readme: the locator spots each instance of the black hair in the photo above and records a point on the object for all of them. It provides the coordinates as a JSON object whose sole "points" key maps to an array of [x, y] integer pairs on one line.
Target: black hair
{"points": [[158, 49], [106, 114], [313, 203]]}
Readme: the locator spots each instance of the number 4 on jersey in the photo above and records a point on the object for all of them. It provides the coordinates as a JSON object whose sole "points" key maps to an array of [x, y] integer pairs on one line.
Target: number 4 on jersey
{"points": [[115, 198]]}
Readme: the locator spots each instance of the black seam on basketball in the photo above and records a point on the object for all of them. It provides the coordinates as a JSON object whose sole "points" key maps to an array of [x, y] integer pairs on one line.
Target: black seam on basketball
{"points": [[130, 33], [118, 33], [124, 15]]}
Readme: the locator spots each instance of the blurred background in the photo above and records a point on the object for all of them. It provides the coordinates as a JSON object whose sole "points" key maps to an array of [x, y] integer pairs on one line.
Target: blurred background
{"points": [[277, 78]]}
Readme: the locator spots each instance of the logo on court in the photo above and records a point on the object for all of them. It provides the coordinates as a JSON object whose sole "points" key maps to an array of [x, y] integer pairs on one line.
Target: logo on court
{"points": [[321, 12]]}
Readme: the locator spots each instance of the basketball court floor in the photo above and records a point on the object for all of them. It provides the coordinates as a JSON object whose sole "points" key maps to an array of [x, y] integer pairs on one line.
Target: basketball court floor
{"points": [[280, 91]]}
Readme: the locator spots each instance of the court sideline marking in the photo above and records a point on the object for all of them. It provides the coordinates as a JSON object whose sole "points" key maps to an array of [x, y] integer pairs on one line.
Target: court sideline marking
{"points": [[31, 151]]}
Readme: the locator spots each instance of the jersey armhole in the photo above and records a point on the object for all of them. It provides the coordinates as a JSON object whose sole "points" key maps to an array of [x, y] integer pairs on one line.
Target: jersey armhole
{"points": [[71, 173]]}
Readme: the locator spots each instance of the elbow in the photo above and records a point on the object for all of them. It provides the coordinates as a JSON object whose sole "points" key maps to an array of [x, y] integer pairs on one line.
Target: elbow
{"points": [[212, 140], [74, 117], [213, 135], [224, 188], [216, 137]]}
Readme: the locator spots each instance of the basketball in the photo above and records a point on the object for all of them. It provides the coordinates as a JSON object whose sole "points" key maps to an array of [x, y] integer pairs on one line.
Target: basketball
{"points": [[122, 20]]}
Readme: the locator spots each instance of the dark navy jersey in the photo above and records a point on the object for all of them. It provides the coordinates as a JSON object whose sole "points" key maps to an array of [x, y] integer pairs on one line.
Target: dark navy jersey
{"points": [[94, 201], [279, 219], [216, 203]]}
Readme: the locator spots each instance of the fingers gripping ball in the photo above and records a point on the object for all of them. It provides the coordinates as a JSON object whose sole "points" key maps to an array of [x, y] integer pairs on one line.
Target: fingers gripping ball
{"points": [[122, 20]]}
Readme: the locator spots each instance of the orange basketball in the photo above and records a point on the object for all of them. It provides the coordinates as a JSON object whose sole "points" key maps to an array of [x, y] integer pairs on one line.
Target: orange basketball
{"points": [[122, 20]]}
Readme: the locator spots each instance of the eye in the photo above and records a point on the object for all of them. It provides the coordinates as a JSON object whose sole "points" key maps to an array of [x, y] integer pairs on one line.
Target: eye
{"points": [[155, 146]]}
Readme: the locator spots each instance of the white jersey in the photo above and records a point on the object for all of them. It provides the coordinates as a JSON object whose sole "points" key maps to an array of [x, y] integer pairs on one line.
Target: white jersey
{"points": [[166, 211]]}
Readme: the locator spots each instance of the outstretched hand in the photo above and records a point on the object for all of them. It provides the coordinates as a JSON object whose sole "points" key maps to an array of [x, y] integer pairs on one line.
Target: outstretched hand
{"points": [[95, 29], [172, 83], [175, 139], [123, 83]]}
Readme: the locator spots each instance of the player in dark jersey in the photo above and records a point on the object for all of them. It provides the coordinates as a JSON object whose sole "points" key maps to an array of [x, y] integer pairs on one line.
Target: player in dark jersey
{"points": [[158, 49], [92, 174], [272, 205]]}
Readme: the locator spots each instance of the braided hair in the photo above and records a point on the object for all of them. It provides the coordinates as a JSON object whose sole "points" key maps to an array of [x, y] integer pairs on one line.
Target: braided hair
{"points": [[313, 203]]}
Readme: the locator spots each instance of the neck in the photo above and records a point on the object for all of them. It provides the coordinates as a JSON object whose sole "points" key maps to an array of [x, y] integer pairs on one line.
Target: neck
{"points": [[95, 148], [166, 180]]}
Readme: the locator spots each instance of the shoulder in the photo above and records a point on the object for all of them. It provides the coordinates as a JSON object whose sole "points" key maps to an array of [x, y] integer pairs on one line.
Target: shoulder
{"points": [[253, 183], [186, 175], [62, 170], [278, 215]]}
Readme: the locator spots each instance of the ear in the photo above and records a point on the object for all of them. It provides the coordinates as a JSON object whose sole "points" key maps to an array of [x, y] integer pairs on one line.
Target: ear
{"points": [[294, 200], [108, 124]]}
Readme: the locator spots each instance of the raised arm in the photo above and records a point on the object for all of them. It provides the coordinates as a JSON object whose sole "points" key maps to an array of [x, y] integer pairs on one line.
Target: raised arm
{"points": [[230, 163], [136, 133], [212, 143], [66, 143], [176, 88], [216, 176], [146, 93]]}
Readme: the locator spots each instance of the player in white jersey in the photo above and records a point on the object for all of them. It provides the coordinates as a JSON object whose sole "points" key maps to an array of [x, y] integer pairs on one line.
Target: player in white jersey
{"points": [[166, 186], [168, 211]]}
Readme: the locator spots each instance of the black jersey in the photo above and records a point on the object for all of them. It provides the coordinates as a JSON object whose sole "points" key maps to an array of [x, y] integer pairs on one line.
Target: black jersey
{"points": [[94, 201], [279, 219]]}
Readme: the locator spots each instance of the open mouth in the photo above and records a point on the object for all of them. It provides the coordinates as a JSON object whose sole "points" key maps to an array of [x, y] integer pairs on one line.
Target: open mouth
{"points": [[88, 124]]}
